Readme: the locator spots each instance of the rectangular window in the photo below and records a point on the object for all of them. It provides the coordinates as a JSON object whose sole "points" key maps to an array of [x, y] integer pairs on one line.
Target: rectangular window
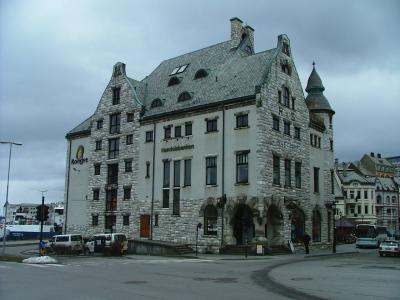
{"points": [[178, 131], [242, 120], [113, 148], [275, 123], [98, 145], [279, 96], [366, 209], [99, 124], [345, 194], [127, 193], [97, 169], [286, 127], [130, 117], [276, 170], [293, 102], [115, 123], [177, 173], [129, 139], [331, 144], [112, 174], [125, 220], [147, 169], [95, 220], [96, 194], [351, 194], [211, 170], [175, 203], [297, 133], [316, 180], [165, 198], [167, 132], [188, 129], [311, 139], [166, 169], [188, 172], [149, 136], [288, 173], [297, 174], [319, 142], [111, 200], [242, 167], [365, 194], [116, 95], [359, 209], [212, 125], [128, 166], [358, 194], [156, 220]]}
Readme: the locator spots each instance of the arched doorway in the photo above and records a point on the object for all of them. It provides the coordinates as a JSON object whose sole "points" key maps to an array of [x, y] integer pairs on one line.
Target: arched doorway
{"points": [[273, 226], [243, 226], [297, 225]]}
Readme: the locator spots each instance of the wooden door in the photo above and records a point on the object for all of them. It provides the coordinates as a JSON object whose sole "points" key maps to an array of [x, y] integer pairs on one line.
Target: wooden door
{"points": [[144, 226]]}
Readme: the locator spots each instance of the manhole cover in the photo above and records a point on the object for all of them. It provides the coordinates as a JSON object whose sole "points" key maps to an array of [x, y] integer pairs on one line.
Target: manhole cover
{"points": [[301, 278], [135, 282]]}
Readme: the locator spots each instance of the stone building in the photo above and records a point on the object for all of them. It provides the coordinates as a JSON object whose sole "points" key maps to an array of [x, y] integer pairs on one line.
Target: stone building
{"points": [[221, 137]]}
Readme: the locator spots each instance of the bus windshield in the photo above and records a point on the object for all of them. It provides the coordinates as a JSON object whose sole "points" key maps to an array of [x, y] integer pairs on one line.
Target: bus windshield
{"points": [[366, 231]]}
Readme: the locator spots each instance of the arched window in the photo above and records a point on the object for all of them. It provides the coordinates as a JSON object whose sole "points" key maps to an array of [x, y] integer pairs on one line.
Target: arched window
{"points": [[210, 220], [156, 103], [200, 74], [286, 97], [316, 230], [174, 80], [286, 69], [394, 200], [184, 96], [387, 200], [378, 199]]}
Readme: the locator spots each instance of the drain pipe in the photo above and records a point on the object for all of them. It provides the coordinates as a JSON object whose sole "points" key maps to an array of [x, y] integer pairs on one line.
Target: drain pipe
{"points": [[223, 197], [152, 182]]}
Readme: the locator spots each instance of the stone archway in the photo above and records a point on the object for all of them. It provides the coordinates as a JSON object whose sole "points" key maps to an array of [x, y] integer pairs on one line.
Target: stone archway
{"points": [[274, 225], [297, 225], [242, 224]]}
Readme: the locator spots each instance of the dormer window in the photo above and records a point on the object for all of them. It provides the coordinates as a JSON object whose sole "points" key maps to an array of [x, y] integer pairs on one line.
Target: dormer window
{"points": [[184, 96], [179, 69], [156, 103], [200, 74], [174, 80]]}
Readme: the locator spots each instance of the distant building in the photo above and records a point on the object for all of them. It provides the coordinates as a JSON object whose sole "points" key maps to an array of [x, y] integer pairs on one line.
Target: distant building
{"points": [[371, 165], [395, 161], [221, 136]]}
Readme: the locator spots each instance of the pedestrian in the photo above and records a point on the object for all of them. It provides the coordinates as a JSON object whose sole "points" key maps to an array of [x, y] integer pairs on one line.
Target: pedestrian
{"points": [[306, 241]]}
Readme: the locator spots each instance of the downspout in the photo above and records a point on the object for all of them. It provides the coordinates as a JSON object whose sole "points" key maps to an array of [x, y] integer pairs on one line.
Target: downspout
{"points": [[223, 199], [67, 194], [152, 182]]}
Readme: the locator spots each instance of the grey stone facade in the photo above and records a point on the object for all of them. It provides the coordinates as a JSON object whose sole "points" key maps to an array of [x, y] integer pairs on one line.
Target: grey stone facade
{"points": [[262, 86]]}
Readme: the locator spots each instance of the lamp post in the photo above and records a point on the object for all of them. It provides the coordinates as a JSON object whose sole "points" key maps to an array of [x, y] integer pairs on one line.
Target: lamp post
{"points": [[8, 182], [334, 227], [197, 234]]}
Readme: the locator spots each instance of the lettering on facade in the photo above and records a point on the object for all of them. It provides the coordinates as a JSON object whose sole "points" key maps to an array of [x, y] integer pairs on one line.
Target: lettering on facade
{"points": [[177, 148], [79, 156]]}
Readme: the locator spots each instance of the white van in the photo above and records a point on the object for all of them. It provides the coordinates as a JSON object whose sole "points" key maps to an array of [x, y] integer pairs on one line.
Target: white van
{"points": [[107, 243], [66, 243]]}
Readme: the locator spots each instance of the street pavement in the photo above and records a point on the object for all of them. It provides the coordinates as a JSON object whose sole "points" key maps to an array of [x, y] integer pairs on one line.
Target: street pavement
{"points": [[320, 275]]}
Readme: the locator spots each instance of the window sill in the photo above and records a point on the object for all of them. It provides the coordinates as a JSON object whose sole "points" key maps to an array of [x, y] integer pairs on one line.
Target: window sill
{"points": [[242, 183], [211, 185], [148, 142], [210, 235], [208, 132], [187, 186], [276, 184], [243, 127]]}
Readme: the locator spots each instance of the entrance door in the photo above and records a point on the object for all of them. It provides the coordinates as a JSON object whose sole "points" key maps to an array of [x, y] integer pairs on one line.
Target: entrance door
{"points": [[145, 226], [243, 226]]}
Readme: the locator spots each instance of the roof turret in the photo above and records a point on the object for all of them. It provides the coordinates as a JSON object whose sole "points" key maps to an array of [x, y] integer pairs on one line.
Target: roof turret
{"points": [[315, 99]]}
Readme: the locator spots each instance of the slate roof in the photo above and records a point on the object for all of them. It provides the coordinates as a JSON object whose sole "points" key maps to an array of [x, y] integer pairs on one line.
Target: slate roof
{"points": [[231, 74], [386, 183], [350, 176], [315, 99], [82, 128]]}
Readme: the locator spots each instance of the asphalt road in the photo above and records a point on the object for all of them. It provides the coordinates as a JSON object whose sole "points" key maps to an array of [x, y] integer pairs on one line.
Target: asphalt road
{"points": [[356, 276]]}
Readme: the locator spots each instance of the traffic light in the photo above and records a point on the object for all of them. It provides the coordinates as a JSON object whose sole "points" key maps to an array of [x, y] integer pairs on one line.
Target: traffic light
{"points": [[39, 213]]}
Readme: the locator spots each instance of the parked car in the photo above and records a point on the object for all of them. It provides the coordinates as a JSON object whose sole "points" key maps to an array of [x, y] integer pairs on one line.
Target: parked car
{"points": [[107, 243], [66, 243], [389, 248]]}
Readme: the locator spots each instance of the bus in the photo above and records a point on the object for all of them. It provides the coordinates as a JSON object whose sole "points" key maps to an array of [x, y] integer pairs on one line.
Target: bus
{"points": [[370, 236]]}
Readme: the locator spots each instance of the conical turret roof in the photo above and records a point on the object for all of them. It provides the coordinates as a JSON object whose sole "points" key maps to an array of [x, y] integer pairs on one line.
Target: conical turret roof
{"points": [[315, 99]]}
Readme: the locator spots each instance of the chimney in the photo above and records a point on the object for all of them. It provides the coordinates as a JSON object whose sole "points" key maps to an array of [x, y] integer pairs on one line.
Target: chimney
{"points": [[372, 154], [236, 32], [119, 69], [344, 169], [250, 34], [378, 155]]}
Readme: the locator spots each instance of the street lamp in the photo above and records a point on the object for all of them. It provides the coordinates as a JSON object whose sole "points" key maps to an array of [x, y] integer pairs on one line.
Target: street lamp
{"points": [[8, 182]]}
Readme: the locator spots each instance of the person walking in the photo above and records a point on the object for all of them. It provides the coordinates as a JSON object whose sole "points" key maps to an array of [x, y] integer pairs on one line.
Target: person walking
{"points": [[306, 241]]}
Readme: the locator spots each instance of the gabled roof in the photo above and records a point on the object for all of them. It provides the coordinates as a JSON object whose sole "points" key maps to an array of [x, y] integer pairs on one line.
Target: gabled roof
{"points": [[231, 74], [349, 176], [83, 128], [386, 184]]}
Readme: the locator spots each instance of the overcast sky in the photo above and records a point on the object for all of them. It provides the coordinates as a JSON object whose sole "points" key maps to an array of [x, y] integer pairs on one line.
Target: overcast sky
{"points": [[56, 58]]}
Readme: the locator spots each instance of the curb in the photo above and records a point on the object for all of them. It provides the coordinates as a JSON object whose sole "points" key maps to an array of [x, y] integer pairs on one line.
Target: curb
{"points": [[331, 254]]}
